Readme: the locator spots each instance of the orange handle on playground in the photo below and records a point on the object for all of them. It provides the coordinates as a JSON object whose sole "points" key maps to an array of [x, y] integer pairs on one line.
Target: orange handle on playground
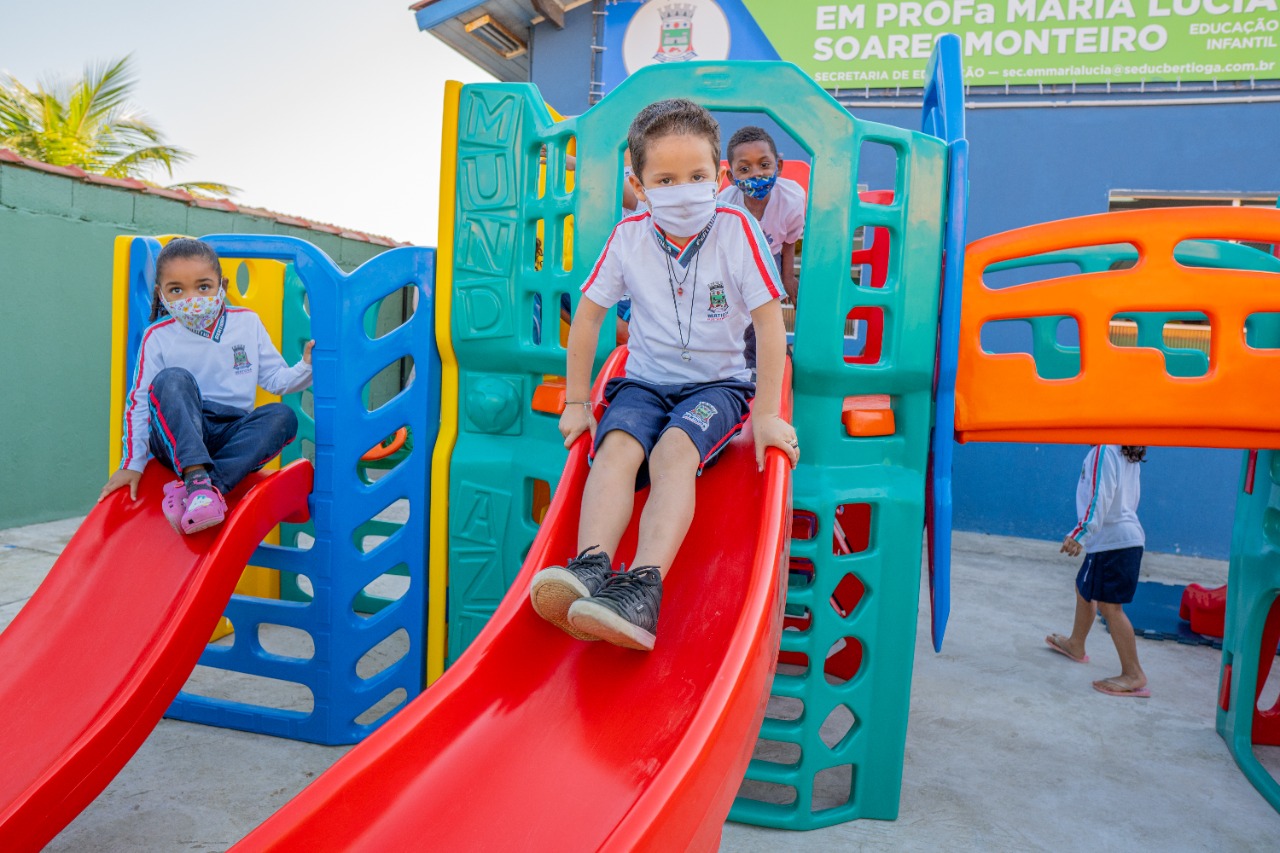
{"points": [[1124, 395], [382, 451]]}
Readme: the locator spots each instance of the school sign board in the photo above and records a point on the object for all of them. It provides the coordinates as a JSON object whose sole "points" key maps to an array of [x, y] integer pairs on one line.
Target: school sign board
{"points": [[883, 44]]}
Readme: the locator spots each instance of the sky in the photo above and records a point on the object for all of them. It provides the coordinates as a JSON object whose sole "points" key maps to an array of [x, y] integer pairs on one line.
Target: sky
{"points": [[323, 109]]}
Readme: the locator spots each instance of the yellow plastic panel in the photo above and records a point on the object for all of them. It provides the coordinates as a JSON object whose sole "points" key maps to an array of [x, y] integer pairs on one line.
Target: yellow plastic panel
{"points": [[438, 547]]}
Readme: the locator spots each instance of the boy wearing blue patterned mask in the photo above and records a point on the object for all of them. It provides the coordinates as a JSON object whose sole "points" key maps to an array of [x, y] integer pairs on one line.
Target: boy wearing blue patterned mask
{"points": [[777, 203], [698, 273]]}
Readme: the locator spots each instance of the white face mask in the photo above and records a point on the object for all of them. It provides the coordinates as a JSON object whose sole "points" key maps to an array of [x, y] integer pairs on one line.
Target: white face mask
{"points": [[196, 312], [684, 209]]}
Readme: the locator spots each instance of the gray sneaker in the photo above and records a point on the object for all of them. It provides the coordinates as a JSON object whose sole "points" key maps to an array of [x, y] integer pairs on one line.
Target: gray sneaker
{"points": [[555, 588], [624, 611]]}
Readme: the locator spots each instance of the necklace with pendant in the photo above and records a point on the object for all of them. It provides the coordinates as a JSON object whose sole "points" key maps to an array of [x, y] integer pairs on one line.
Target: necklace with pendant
{"points": [[694, 245], [679, 282], [693, 293]]}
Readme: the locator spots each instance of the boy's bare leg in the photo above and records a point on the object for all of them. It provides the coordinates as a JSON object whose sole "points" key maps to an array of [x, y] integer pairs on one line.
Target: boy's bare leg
{"points": [[1086, 612], [673, 473], [609, 495], [1131, 676]]}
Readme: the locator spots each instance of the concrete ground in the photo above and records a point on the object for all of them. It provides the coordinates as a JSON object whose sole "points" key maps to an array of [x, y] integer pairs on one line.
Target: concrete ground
{"points": [[1008, 748]]}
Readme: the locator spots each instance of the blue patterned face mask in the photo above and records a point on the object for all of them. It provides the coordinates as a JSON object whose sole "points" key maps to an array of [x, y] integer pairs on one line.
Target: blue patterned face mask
{"points": [[757, 188]]}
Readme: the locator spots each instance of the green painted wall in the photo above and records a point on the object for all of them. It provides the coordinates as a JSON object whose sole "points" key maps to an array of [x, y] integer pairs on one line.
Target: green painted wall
{"points": [[56, 239]]}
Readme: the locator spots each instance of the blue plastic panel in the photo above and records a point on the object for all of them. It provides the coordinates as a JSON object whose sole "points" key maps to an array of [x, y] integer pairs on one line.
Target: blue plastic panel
{"points": [[944, 117], [337, 565]]}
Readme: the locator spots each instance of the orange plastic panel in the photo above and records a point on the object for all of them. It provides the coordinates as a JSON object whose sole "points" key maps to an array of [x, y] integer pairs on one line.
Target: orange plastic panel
{"points": [[1123, 395], [549, 396], [868, 415], [382, 451], [541, 500]]}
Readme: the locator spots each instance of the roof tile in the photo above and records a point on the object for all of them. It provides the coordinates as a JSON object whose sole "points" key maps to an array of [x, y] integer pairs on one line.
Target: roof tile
{"points": [[178, 195], [124, 183], [217, 204]]}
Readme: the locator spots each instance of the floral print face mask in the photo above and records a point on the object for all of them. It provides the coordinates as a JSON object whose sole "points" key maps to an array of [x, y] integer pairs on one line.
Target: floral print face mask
{"points": [[197, 312]]}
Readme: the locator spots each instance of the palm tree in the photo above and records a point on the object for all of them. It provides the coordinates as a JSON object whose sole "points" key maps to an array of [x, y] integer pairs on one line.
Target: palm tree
{"points": [[90, 123]]}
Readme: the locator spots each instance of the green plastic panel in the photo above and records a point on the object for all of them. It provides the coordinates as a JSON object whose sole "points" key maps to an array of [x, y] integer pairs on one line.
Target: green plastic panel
{"points": [[844, 696], [1253, 586], [503, 446]]}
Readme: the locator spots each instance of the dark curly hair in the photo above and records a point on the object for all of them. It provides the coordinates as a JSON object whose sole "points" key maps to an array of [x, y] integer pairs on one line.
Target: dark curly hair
{"points": [[1133, 452], [181, 247], [747, 134], [672, 117]]}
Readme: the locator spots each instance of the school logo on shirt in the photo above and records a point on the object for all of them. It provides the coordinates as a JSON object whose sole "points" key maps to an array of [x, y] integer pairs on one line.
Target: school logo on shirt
{"points": [[241, 359], [701, 415], [718, 309]]}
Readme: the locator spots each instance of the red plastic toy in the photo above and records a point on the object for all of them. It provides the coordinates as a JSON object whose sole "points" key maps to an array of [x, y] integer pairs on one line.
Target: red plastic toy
{"points": [[1205, 609], [92, 661], [536, 741]]}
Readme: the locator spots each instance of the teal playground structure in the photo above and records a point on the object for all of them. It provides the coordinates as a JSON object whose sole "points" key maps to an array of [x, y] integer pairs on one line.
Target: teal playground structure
{"points": [[859, 484], [441, 481]]}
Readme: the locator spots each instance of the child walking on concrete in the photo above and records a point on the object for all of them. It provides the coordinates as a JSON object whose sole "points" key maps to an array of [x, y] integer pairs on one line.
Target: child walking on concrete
{"points": [[698, 273], [1112, 538]]}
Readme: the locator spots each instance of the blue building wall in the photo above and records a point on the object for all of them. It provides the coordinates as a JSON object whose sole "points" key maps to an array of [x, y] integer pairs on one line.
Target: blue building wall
{"points": [[1031, 165], [1034, 164], [560, 62]]}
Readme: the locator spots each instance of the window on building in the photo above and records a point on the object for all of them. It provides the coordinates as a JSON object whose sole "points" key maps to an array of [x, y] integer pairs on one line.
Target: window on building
{"points": [[1142, 199]]}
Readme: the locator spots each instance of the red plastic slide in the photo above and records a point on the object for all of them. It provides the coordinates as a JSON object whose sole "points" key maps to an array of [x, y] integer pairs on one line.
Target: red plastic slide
{"points": [[536, 741], [92, 661]]}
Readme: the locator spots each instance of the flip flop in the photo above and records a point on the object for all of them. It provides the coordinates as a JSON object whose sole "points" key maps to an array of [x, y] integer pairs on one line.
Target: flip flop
{"points": [[1048, 641], [1140, 693]]}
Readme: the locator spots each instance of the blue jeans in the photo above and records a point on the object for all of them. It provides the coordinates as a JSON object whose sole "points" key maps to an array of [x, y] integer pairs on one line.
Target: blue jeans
{"points": [[187, 430]]}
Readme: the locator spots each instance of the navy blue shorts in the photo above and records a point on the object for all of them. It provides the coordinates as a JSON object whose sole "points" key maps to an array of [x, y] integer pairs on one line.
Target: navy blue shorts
{"points": [[709, 413], [1110, 576]]}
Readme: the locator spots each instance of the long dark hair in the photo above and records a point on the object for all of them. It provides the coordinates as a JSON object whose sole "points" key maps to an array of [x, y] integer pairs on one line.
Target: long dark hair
{"points": [[181, 247], [1133, 452]]}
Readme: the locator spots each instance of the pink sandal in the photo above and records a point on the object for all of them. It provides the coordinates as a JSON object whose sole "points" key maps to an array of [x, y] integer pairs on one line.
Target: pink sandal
{"points": [[204, 508], [175, 503]]}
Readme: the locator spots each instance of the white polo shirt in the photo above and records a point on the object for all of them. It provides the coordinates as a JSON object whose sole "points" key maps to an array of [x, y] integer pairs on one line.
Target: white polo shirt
{"points": [[228, 363], [783, 218], [1107, 495], [724, 279]]}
